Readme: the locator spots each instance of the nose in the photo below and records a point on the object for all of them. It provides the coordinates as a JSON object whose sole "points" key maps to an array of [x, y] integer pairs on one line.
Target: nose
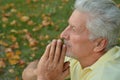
{"points": [[65, 33]]}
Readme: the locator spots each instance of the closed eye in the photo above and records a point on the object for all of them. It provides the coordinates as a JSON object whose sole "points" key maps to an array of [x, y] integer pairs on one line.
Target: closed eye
{"points": [[73, 27]]}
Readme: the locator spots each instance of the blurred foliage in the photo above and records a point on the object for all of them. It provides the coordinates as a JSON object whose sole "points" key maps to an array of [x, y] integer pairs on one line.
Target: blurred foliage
{"points": [[26, 27]]}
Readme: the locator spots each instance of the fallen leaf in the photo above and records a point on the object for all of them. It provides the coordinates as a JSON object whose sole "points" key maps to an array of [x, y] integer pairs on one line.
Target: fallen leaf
{"points": [[11, 70], [21, 62], [45, 23], [33, 55], [31, 23], [8, 50], [13, 23], [47, 37], [4, 19], [7, 14], [18, 52], [15, 45], [12, 37], [25, 18], [41, 37], [25, 31], [14, 59], [13, 10], [34, 48], [3, 43], [13, 31], [9, 54], [2, 63], [37, 28], [32, 42], [16, 78]]}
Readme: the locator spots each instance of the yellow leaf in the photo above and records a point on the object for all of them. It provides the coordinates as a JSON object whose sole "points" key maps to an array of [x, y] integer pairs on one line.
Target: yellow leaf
{"points": [[14, 22], [12, 37], [25, 18], [47, 36], [13, 62], [14, 59], [3, 43], [18, 52]]}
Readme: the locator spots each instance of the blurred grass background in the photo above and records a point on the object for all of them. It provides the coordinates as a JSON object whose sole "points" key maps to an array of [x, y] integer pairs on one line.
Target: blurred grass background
{"points": [[26, 27]]}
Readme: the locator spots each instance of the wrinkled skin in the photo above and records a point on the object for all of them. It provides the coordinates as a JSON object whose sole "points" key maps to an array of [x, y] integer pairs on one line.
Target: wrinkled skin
{"points": [[51, 66]]}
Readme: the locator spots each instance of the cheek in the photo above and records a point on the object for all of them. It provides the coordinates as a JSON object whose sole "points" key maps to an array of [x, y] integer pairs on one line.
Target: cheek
{"points": [[80, 45]]}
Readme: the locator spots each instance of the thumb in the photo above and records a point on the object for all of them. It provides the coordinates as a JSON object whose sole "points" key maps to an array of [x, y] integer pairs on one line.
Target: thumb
{"points": [[66, 72], [66, 65]]}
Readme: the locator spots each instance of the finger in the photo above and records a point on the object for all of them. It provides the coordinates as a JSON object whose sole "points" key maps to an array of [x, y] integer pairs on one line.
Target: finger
{"points": [[66, 66], [66, 72], [46, 53], [58, 51], [62, 57], [52, 50]]}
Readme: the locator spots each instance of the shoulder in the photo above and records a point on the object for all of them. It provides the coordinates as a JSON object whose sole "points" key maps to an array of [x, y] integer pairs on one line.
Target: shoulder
{"points": [[109, 71]]}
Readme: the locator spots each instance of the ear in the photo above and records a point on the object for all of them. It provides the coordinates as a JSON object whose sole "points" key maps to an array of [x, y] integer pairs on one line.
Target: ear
{"points": [[100, 44]]}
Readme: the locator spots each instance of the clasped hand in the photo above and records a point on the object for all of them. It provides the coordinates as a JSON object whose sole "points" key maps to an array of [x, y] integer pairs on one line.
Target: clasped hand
{"points": [[51, 65]]}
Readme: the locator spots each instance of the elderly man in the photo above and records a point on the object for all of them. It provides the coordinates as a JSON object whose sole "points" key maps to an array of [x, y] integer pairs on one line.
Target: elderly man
{"points": [[90, 42]]}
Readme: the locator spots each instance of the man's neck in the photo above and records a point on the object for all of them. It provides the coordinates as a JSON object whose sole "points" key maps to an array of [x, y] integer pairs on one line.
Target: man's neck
{"points": [[88, 61]]}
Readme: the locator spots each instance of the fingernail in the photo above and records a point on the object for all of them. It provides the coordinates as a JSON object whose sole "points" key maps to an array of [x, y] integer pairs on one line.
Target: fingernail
{"points": [[59, 40], [54, 40]]}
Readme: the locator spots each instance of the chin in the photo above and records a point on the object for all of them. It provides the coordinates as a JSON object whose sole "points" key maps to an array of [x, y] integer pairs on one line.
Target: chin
{"points": [[69, 54]]}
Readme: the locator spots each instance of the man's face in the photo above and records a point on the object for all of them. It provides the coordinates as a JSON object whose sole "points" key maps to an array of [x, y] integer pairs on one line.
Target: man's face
{"points": [[76, 37]]}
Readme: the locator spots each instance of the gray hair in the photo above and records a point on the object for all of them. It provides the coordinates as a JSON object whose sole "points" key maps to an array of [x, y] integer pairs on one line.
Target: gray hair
{"points": [[104, 19]]}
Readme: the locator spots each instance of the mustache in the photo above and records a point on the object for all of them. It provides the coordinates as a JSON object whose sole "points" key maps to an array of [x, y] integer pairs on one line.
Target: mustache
{"points": [[66, 43]]}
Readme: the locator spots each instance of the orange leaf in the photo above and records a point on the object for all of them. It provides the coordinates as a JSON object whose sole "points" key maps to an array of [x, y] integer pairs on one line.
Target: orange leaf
{"points": [[2, 64], [16, 78], [21, 62], [9, 54]]}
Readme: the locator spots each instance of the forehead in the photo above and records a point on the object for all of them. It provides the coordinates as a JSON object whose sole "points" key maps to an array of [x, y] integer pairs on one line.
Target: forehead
{"points": [[78, 18]]}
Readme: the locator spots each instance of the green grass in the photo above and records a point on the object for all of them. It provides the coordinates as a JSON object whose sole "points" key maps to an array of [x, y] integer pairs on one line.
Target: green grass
{"points": [[58, 11]]}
